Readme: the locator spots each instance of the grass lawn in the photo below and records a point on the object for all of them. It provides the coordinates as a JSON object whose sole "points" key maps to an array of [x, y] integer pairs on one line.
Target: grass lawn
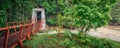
{"points": [[65, 41]]}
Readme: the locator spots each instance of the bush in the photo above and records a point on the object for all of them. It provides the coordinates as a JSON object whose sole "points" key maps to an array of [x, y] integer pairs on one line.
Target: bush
{"points": [[3, 18], [88, 14], [51, 21], [52, 41], [115, 13], [15, 10]]}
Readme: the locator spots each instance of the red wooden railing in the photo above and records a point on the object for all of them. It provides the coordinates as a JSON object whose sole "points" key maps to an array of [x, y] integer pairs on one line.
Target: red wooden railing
{"points": [[16, 32]]}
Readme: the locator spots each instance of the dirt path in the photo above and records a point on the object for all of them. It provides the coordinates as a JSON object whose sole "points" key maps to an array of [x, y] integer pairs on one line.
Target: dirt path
{"points": [[106, 32], [112, 33]]}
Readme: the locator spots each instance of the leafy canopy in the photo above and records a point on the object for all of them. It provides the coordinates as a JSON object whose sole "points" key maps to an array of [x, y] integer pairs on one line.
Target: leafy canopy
{"points": [[88, 14]]}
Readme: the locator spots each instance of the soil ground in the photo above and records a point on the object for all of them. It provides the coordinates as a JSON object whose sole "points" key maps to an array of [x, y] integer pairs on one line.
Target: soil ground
{"points": [[109, 32]]}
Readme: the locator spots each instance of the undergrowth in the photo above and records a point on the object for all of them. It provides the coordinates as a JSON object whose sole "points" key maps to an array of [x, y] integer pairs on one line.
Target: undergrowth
{"points": [[68, 40]]}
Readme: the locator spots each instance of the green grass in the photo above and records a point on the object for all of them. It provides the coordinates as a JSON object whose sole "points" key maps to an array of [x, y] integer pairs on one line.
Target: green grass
{"points": [[63, 41]]}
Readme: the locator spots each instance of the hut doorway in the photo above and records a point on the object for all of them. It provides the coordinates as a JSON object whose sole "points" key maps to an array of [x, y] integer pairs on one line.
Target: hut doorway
{"points": [[39, 15]]}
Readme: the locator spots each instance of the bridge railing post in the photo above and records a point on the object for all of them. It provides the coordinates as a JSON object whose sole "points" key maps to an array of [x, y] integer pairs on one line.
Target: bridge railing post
{"points": [[28, 31], [20, 37], [6, 38]]}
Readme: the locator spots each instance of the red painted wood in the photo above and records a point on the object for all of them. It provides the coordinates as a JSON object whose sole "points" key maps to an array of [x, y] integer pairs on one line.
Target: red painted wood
{"points": [[18, 36], [6, 38]]}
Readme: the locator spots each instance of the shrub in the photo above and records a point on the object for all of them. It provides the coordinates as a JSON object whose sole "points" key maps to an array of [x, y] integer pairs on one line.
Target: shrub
{"points": [[51, 21], [115, 14], [88, 14], [3, 18]]}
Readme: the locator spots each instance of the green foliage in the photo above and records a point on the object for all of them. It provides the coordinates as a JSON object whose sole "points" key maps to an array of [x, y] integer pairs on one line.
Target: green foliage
{"points": [[50, 7], [18, 10], [88, 14], [67, 43], [59, 20], [115, 13], [51, 21], [3, 18], [68, 34], [52, 41], [15, 10]]}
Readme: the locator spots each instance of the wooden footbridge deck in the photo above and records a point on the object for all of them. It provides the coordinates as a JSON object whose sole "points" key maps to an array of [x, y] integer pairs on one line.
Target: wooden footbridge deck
{"points": [[16, 32]]}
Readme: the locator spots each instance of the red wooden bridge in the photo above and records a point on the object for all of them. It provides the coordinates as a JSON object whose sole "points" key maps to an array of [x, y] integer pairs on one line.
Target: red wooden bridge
{"points": [[16, 32]]}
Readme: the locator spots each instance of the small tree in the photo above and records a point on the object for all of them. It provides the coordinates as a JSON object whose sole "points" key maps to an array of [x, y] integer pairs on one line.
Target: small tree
{"points": [[88, 14], [59, 25]]}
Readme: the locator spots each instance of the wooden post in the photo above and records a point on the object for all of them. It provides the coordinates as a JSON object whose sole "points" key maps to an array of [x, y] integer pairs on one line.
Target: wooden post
{"points": [[6, 38], [20, 43], [28, 32], [32, 29]]}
